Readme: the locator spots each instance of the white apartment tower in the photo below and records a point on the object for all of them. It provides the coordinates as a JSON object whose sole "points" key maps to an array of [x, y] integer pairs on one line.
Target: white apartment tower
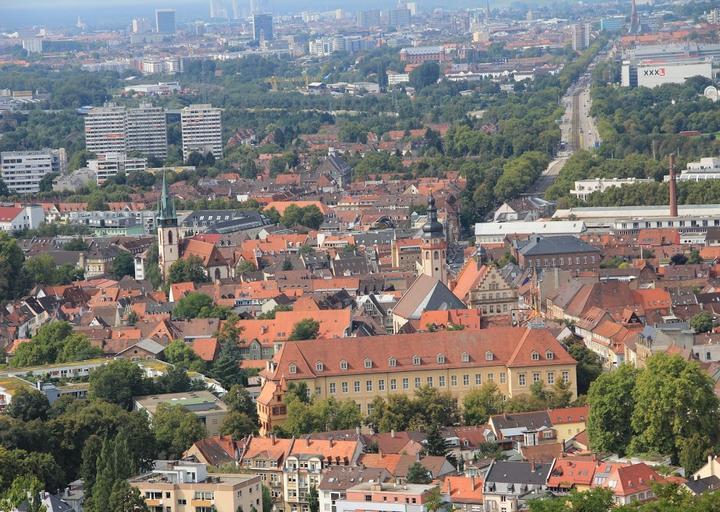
{"points": [[22, 171], [147, 131], [201, 130], [118, 130], [106, 130]]}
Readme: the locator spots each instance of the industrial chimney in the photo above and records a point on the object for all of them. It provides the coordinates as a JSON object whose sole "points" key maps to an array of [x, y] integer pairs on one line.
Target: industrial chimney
{"points": [[673, 187]]}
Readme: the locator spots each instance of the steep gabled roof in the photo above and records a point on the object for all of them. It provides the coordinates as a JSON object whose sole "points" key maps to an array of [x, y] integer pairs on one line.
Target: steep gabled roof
{"points": [[426, 293]]}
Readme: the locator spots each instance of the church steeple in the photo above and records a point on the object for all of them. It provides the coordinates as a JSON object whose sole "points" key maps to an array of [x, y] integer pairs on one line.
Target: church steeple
{"points": [[166, 215], [432, 228], [434, 248]]}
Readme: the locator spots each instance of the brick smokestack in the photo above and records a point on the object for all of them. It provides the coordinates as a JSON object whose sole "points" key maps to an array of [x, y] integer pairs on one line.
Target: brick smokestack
{"points": [[673, 187]]}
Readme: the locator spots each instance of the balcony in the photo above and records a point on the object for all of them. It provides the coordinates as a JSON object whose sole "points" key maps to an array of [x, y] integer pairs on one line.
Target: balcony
{"points": [[201, 503]]}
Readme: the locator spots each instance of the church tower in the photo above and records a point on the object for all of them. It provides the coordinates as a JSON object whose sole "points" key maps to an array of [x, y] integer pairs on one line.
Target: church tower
{"points": [[167, 226], [434, 246]]}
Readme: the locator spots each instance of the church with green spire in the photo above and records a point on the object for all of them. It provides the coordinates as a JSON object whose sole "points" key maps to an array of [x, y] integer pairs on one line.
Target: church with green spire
{"points": [[167, 226]]}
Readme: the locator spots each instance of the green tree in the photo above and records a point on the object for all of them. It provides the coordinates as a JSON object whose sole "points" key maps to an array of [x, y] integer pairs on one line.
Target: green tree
{"points": [[13, 280], [24, 491], [28, 405], [4, 190], [117, 382], [76, 244], [41, 269], [175, 380], [313, 500], [306, 329], [123, 265], [183, 356], [125, 498], [593, 500], [238, 399], [188, 270], [77, 347], [237, 424], [267, 501], [46, 346], [191, 305], [702, 322], [435, 443], [589, 365], [612, 399], [481, 403], [176, 429], [426, 74], [435, 502], [674, 400], [417, 474]]}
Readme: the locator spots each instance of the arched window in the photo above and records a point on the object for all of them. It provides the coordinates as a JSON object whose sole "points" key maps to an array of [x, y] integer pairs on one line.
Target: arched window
{"points": [[170, 237], [392, 362], [440, 358], [343, 365], [416, 360], [319, 366], [217, 274], [427, 255], [436, 255], [292, 368]]}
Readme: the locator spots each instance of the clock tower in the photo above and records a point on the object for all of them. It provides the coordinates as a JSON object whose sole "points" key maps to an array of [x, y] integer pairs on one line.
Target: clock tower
{"points": [[434, 246]]}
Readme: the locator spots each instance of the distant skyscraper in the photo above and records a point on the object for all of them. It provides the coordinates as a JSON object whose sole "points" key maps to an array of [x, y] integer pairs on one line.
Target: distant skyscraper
{"points": [[117, 130], [399, 18], [140, 26], [580, 36], [257, 6], [201, 127], [218, 9], [165, 21], [367, 19], [262, 27]]}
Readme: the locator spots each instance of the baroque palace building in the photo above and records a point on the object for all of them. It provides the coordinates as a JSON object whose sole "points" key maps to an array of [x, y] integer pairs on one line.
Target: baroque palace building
{"points": [[361, 369]]}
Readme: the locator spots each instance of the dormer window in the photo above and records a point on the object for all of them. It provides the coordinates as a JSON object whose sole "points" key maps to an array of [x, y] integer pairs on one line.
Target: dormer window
{"points": [[440, 358], [319, 366], [392, 362], [292, 368], [535, 356], [343, 365], [489, 356], [367, 363], [465, 357], [549, 354], [416, 360]]}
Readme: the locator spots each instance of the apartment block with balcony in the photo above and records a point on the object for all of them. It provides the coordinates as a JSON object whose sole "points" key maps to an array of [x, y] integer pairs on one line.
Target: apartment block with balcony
{"points": [[305, 464], [184, 486], [265, 456], [388, 497], [201, 127]]}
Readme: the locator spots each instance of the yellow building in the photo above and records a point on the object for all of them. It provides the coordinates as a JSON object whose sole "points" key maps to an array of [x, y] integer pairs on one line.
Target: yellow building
{"points": [[182, 486], [362, 369], [209, 409]]}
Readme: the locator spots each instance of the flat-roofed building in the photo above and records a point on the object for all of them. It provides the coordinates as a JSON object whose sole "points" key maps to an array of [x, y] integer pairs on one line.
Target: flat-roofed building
{"points": [[455, 361], [385, 497], [22, 171], [147, 131], [488, 233], [201, 130], [184, 486], [209, 409]]}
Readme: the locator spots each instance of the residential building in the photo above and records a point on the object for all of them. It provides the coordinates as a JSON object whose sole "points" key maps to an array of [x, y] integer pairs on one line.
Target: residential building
{"points": [[209, 409], [265, 456], [465, 493], [216, 450], [425, 294], [147, 130], [399, 18], [485, 288], [421, 54], [17, 218], [108, 165], [583, 188], [581, 36], [262, 27], [510, 484], [338, 479], [454, 361], [184, 486], [385, 497], [201, 127], [22, 171], [369, 18], [630, 483], [118, 130], [563, 252], [305, 463], [165, 21]]}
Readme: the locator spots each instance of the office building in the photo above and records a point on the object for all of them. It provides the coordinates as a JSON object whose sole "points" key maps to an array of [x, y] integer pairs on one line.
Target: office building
{"points": [[219, 9], [147, 131], [118, 130], [111, 164], [399, 18], [201, 127], [580, 36], [655, 72], [367, 19], [612, 24], [209, 409], [185, 486], [22, 171], [513, 358], [257, 6], [140, 26], [165, 21], [262, 27]]}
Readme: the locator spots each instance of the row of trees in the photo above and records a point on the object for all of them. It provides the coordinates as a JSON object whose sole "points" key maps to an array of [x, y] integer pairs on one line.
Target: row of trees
{"points": [[667, 408]]}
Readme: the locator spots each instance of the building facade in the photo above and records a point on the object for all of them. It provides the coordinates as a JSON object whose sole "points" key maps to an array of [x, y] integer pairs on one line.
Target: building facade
{"points": [[455, 361], [118, 130], [22, 171], [201, 130]]}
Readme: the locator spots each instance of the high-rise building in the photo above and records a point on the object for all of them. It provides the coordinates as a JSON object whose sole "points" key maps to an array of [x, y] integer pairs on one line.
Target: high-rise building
{"points": [[106, 130], [165, 21], [118, 130], [147, 131], [22, 171], [140, 26], [366, 19], [111, 164], [257, 6], [201, 127], [262, 27], [581, 36], [218, 9], [399, 18]]}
